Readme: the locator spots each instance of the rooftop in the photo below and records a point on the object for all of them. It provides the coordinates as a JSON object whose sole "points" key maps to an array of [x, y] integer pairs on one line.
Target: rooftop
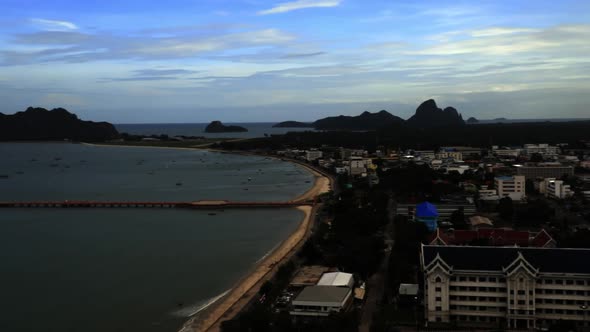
{"points": [[309, 275], [336, 279], [323, 294], [496, 258]]}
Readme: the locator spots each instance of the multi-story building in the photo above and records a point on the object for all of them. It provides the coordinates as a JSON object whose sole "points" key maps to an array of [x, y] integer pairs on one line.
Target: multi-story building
{"points": [[544, 170], [505, 287], [511, 186], [545, 150], [311, 155], [455, 155], [553, 188], [505, 151]]}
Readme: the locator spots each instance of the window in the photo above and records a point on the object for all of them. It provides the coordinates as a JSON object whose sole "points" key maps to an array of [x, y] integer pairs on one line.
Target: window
{"points": [[438, 298], [569, 282], [437, 289], [438, 308], [453, 288], [482, 279], [438, 279], [580, 282], [558, 301], [559, 282], [520, 292], [521, 302], [472, 279], [438, 319], [462, 279], [549, 281], [493, 279]]}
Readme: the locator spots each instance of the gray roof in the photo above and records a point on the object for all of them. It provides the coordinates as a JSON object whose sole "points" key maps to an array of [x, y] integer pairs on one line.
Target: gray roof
{"points": [[495, 258], [323, 294]]}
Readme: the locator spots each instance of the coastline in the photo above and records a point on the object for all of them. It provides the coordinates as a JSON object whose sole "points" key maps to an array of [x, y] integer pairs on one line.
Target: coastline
{"points": [[231, 303]]}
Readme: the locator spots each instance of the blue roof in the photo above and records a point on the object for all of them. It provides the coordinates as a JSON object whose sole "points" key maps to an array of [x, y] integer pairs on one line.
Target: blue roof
{"points": [[426, 210]]}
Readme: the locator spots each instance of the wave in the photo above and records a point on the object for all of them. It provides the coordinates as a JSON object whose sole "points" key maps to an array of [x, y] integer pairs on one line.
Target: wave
{"points": [[194, 309]]}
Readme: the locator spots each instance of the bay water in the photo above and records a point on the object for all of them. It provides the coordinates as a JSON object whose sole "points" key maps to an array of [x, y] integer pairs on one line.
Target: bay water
{"points": [[131, 269]]}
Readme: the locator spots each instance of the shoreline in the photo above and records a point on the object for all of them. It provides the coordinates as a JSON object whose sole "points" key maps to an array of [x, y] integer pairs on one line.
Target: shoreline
{"points": [[247, 287], [240, 294]]}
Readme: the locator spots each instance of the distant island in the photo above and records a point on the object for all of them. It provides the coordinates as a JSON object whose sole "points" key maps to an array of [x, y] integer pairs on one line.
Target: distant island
{"points": [[218, 127], [293, 124], [427, 115], [472, 120], [37, 123]]}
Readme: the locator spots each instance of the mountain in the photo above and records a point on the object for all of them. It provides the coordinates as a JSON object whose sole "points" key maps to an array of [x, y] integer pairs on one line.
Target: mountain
{"points": [[365, 121], [472, 120], [428, 115], [218, 127], [293, 124], [58, 124]]}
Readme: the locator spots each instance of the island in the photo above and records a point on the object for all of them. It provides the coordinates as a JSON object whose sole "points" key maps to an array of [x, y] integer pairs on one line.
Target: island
{"points": [[40, 124], [293, 124], [218, 127], [472, 120]]}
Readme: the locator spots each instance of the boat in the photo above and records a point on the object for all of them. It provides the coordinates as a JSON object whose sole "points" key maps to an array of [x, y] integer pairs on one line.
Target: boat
{"points": [[212, 213], [4, 176], [179, 183]]}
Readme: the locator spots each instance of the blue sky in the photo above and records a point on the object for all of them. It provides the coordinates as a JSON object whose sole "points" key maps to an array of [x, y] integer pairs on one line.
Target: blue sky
{"points": [[254, 60]]}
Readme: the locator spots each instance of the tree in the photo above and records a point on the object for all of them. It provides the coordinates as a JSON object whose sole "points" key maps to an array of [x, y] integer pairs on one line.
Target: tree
{"points": [[458, 219], [506, 208]]}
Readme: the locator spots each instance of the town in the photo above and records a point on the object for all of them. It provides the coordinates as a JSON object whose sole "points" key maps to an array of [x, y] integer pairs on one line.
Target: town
{"points": [[458, 237]]}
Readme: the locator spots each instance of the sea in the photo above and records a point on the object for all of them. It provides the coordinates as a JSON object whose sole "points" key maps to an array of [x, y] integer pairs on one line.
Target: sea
{"points": [[259, 129], [132, 269]]}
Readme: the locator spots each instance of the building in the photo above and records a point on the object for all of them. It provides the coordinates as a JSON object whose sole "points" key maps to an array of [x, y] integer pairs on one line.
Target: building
{"points": [[505, 152], [445, 210], [553, 188], [321, 301], [495, 237], [511, 186], [311, 155], [545, 170], [455, 155], [336, 279], [545, 150], [505, 287], [426, 213]]}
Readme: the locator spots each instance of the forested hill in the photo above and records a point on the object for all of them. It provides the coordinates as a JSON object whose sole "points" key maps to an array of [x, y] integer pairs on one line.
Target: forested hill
{"points": [[58, 124]]}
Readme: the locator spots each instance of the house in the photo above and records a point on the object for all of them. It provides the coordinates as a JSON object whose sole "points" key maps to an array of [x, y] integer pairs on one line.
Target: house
{"points": [[505, 287]]}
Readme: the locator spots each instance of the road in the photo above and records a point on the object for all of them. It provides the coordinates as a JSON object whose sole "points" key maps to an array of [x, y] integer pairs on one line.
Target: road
{"points": [[376, 284]]}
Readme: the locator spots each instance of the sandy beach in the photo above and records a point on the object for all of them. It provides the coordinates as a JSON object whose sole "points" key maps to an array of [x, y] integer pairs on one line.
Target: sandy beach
{"points": [[231, 304]]}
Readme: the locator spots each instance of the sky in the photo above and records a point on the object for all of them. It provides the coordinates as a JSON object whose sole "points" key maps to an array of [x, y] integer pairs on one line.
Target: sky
{"points": [[140, 61]]}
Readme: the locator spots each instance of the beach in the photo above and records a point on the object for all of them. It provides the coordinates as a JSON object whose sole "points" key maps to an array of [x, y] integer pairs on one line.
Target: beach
{"points": [[239, 296]]}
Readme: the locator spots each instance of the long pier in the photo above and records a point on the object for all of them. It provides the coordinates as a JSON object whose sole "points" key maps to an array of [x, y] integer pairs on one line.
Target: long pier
{"points": [[146, 204]]}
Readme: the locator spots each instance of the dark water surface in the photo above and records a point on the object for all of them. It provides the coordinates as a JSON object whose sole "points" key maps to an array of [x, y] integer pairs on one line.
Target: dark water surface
{"points": [[131, 269]]}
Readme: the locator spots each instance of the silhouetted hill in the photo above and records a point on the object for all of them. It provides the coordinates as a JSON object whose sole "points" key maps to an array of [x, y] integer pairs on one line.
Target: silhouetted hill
{"points": [[218, 127], [429, 115], [365, 121], [40, 124], [293, 124], [472, 120]]}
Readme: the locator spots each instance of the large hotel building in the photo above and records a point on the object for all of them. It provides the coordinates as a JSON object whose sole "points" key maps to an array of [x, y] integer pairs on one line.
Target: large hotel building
{"points": [[506, 287]]}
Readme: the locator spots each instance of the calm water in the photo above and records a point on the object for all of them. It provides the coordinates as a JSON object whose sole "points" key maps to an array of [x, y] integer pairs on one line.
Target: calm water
{"points": [[198, 129], [131, 269]]}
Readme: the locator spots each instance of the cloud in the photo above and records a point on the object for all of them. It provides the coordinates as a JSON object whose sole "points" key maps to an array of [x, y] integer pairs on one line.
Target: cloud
{"points": [[54, 25], [74, 47], [151, 75], [285, 7], [302, 55]]}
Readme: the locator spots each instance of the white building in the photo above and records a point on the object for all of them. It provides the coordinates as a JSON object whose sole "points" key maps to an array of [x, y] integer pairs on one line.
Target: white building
{"points": [[545, 150], [505, 287], [553, 188], [488, 194], [511, 186], [311, 155], [337, 279], [505, 152]]}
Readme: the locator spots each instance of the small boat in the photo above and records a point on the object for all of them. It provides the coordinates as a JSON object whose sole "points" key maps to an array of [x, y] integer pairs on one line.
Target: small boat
{"points": [[212, 213], [4, 176], [20, 172], [249, 179], [179, 183]]}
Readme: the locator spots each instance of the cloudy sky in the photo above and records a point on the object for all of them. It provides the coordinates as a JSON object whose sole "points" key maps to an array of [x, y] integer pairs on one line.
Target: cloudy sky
{"points": [[138, 61]]}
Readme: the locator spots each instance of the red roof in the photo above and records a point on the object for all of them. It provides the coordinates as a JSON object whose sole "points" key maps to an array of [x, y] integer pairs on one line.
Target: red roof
{"points": [[495, 236]]}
